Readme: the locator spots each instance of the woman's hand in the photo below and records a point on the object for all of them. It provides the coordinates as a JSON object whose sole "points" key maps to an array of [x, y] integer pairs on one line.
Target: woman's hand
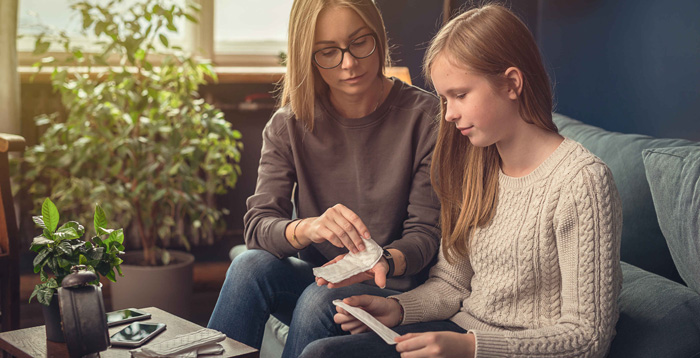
{"points": [[378, 272], [338, 225], [383, 309], [436, 345]]}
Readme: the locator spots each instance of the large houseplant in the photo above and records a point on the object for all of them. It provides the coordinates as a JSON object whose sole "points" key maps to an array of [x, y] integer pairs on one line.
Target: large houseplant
{"points": [[60, 248], [136, 136]]}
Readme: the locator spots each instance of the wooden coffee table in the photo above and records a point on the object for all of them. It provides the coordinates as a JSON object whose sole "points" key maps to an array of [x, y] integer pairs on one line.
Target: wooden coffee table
{"points": [[31, 342]]}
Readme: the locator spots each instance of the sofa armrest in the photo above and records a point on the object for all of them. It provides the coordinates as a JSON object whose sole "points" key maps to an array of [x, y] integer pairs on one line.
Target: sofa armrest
{"points": [[658, 317]]}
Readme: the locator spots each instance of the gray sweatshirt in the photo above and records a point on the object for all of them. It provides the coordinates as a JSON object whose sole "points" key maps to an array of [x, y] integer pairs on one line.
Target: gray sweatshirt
{"points": [[377, 166]]}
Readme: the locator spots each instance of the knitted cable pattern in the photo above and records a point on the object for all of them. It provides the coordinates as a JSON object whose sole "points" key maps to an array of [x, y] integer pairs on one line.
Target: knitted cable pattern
{"points": [[544, 275]]}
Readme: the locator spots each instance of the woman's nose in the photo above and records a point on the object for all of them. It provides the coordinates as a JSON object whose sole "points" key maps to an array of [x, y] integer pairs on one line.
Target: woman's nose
{"points": [[348, 61]]}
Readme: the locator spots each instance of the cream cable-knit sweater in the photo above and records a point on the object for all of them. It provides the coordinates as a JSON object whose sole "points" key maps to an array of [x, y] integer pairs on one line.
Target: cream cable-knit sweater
{"points": [[544, 275]]}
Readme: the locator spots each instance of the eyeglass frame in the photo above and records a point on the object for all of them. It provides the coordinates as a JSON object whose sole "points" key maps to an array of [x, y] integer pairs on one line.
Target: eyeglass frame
{"points": [[344, 50]]}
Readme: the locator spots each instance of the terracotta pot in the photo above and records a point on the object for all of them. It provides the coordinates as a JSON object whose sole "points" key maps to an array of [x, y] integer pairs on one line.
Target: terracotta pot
{"points": [[166, 287]]}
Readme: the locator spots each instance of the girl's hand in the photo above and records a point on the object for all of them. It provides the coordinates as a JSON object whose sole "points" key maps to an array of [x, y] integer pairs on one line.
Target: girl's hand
{"points": [[383, 309], [378, 272], [436, 345], [338, 225]]}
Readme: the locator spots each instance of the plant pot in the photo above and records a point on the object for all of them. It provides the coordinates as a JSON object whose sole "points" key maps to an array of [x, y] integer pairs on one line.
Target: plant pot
{"points": [[166, 287], [52, 320]]}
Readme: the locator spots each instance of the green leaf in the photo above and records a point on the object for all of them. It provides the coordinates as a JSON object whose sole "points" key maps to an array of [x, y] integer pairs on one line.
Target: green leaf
{"points": [[39, 221], [48, 234], [163, 40], [66, 233], [100, 220], [41, 47], [41, 240], [52, 283], [43, 276], [45, 295], [97, 254], [79, 229], [191, 18], [64, 264], [49, 213], [39, 259], [82, 260], [34, 293], [115, 236], [65, 248], [110, 276]]}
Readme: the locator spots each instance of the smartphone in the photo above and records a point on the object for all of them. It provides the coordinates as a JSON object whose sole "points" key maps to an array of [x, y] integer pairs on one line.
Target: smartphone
{"points": [[126, 316], [136, 334]]}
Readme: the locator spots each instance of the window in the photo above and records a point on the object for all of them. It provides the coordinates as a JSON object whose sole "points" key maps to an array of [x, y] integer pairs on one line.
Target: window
{"points": [[251, 27], [252, 30]]}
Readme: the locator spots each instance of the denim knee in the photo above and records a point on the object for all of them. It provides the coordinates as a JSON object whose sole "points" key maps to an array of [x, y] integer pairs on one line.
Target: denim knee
{"points": [[252, 264], [316, 304], [321, 348]]}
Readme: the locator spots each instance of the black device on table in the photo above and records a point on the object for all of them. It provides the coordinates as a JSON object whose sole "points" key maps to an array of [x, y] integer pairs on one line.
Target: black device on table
{"points": [[125, 316], [136, 334]]}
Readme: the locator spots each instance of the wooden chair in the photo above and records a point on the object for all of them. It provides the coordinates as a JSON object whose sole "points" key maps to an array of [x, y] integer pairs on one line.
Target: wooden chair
{"points": [[9, 238]]}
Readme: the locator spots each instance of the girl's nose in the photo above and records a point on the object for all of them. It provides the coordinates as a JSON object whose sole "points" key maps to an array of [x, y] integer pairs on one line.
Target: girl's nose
{"points": [[450, 114]]}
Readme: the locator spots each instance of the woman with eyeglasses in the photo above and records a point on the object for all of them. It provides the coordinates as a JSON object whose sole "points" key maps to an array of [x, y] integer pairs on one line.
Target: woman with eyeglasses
{"points": [[348, 153]]}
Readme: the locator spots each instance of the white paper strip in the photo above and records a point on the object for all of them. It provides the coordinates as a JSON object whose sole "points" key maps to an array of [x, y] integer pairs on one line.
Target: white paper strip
{"points": [[384, 332]]}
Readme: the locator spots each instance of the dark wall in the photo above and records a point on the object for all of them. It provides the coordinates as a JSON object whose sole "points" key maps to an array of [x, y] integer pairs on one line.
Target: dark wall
{"points": [[623, 65], [410, 25], [626, 65]]}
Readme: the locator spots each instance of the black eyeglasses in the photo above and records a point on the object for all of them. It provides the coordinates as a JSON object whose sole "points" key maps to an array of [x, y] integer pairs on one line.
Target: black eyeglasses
{"points": [[359, 48]]}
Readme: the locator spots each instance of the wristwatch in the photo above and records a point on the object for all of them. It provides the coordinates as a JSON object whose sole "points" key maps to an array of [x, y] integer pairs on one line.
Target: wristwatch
{"points": [[389, 260]]}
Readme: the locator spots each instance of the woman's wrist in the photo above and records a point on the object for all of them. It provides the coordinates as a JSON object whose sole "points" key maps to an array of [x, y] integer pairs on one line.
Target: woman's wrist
{"points": [[399, 262], [293, 234]]}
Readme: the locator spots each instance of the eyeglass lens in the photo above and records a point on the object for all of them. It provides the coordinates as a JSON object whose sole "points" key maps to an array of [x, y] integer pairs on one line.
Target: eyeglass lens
{"points": [[360, 48]]}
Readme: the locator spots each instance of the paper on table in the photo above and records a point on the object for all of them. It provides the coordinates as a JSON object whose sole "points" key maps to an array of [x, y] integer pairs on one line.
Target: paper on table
{"points": [[384, 332], [351, 264]]}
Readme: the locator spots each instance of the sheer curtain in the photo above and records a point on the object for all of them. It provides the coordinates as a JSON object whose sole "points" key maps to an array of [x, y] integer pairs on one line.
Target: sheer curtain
{"points": [[9, 77]]}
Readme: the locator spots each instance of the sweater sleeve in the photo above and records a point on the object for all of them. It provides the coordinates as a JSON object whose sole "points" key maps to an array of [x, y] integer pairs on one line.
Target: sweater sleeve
{"points": [[420, 238], [270, 208], [587, 227], [441, 296]]}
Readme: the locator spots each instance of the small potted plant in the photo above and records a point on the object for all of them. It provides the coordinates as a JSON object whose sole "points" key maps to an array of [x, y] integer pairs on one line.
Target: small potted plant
{"points": [[60, 248]]}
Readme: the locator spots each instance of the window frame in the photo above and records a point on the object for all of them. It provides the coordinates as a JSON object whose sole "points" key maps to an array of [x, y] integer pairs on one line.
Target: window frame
{"points": [[201, 33]]}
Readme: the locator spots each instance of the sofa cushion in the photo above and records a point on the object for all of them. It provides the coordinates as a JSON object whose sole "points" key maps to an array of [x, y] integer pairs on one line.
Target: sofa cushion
{"points": [[674, 178], [643, 244], [658, 317]]}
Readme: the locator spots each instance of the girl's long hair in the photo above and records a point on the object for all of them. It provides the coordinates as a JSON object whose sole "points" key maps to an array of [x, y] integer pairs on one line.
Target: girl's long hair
{"points": [[486, 41], [302, 82]]}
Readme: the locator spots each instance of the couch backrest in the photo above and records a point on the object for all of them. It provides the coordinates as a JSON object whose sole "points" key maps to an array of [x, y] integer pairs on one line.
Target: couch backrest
{"points": [[643, 244]]}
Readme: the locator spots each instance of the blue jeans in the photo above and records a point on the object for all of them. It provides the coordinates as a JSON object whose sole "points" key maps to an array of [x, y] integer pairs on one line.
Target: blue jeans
{"points": [[369, 344], [259, 284]]}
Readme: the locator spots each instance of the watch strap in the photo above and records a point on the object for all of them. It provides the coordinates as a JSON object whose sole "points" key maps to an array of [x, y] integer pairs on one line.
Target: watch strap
{"points": [[390, 261]]}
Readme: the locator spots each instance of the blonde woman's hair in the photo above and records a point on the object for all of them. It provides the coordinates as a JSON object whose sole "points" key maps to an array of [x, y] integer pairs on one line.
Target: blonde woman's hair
{"points": [[486, 41], [303, 83]]}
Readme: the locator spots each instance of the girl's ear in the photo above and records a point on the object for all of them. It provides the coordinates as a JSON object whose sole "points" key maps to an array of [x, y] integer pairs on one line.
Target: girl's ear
{"points": [[514, 79]]}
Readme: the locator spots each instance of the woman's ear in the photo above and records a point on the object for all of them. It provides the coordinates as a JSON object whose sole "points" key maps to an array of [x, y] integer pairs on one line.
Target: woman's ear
{"points": [[514, 78]]}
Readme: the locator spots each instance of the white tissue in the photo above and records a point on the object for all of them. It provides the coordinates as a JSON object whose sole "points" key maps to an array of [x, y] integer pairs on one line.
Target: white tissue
{"points": [[351, 264]]}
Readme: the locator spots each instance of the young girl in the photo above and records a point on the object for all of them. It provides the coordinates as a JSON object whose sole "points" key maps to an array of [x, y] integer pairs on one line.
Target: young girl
{"points": [[531, 221], [352, 148]]}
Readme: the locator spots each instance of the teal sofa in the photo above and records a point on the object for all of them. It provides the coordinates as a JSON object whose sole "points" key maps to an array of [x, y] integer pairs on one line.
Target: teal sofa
{"points": [[659, 183]]}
